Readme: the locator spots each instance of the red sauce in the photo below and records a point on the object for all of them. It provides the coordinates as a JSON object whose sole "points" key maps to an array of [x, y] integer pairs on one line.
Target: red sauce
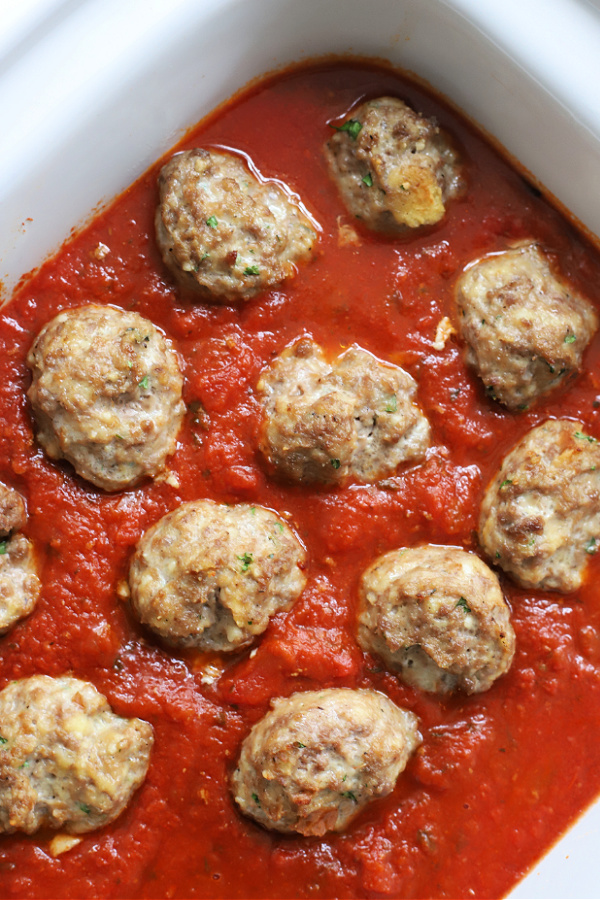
{"points": [[500, 775]]}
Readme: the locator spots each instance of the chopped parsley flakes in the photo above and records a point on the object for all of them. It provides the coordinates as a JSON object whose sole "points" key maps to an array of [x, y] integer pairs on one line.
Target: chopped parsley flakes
{"points": [[246, 561], [251, 270], [212, 222], [368, 180], [463, 605], [584, 437], [352, 126]]}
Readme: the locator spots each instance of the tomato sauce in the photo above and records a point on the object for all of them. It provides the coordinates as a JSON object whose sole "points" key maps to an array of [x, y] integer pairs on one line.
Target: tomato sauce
{"points": [[499, 775]]}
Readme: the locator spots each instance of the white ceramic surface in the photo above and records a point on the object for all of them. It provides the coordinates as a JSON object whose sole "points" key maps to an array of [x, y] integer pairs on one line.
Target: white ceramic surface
{"points": [[92, 91]]}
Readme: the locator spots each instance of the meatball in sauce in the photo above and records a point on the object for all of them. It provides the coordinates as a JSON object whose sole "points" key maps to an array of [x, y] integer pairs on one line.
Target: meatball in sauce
{"points": [[524, 326], [352, 418], [540, 516], [317, 758], [394, 169], [210, 576], [437, 617], [225, 232], [66, 760], [106, 394], [19, 582]]}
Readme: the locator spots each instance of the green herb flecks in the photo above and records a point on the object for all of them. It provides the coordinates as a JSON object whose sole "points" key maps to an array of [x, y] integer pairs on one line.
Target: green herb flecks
{"points": [[144, 383], [591, 546], [251, 270], [570, 338], [392, 404], [463, 605], [368, 180], [352, 126], [246, 561], [212, 222], [350, 796], [506, 482], [3, 546], [85, 809], [256, 799], [3, 740], [299, 745], [585, 437], [335, 463]]}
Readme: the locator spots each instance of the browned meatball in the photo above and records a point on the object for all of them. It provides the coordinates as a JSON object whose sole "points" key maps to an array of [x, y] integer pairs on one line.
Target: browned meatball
{"points": [[355, 417], [436, 616], [106, 394], [66, 760], [525, 327], [224, 231], [540, 516], [317, 758], [19, 582], [394, 168], [210, 576], [12, 510]]}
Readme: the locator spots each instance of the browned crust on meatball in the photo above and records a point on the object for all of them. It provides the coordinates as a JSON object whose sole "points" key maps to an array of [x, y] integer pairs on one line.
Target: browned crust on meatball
{"points": [[317, 758], [106, 394], [66, 760], [394, 168], [437, 617], [525, 327], [211, 576], [540, 515], [12, 510], [225, 232], [353, 418], [19, 582]]}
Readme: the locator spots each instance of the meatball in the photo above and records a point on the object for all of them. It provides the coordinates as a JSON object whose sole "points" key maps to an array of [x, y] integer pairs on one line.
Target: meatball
{"points": [[66, 760], [224, 231], [327, 422], [317, 758], [211, 576], [524, 326], [540, 516], [12, 511], [436, 616], [394, 168], [19, 583], [106, 394]]}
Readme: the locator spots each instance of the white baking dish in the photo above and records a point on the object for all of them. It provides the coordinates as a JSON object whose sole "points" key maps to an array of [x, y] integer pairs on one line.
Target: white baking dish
{"points": [[92, 91]]}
